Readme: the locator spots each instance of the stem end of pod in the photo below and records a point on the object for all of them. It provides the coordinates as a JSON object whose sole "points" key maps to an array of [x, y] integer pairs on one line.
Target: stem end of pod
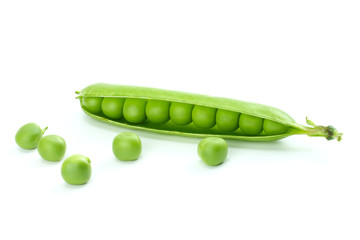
{"points": [[334, 134], [328, 132]]}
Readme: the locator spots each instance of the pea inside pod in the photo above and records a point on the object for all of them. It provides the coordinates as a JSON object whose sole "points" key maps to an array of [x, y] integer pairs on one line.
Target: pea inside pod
{"points": [[181, 113], [195, 115], [134, 110], [158, 111], [92, 104], [227, 120], [113, 107], [273, 128], [251, 125], [204, 117]]}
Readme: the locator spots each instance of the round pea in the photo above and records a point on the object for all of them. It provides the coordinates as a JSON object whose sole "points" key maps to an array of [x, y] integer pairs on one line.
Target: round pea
{"points": [[29, 135], [251, 125], [52, 148], [76, 169], [113, 107], [204, 117], [92, 104], [158, 111], [213, 150], [134, 110], [274, 128], [227, 120], [126, 146], [180, 113]]}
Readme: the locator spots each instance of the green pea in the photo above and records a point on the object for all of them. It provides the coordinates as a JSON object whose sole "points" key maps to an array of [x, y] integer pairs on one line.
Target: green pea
{"points": [[29, 135], [213, 150], [204, 117], [113, 107], [158, 111], [92, 104], [134, 110], [180, 113], [274, 128], [227, 120], [126, 146], [251, 125], [76, 169], [52, 148]]}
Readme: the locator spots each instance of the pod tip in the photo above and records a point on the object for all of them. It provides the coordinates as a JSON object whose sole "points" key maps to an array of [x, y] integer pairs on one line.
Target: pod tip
{"points": [[77, 92]]}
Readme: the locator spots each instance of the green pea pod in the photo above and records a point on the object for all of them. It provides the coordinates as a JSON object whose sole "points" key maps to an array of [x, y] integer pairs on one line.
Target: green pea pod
{"points": [[194, 115]]}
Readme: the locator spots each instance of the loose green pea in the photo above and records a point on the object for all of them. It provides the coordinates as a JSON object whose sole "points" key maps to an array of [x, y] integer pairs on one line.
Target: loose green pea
{"points": [[274, 128], [251, 125], [52, 148], [213, 150], [134, 110], [126, 146], [29, 135], [227, 120], [92, 104], [113, 107], [158, 111], [204, 117], [180, 113], [76, 169]]}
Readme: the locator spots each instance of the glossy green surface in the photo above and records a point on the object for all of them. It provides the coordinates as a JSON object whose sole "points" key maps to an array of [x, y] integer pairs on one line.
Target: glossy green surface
{"points": [[134, 110], [227, 120], [273, 128], [29, 135], [187, 116], [113, 107], [180, 113], [158, 111], [126, 146], [213, 150], [76, 169], [52, 148], [204, 117], [251, 125], [92, 104]]}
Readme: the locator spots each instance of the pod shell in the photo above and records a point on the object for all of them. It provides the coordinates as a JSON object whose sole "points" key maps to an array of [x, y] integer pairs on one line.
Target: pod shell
{"points": [[254, 109]]}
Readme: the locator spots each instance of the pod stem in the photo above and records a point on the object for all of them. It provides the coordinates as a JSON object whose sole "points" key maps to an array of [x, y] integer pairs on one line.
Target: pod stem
{"points": [[328, 132]]}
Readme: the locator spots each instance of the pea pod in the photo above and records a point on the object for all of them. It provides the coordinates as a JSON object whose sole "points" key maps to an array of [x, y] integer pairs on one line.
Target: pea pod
{"points": [[195, 115]]}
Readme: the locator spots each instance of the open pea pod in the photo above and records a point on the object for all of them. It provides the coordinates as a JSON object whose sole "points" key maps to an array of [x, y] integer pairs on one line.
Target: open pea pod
{"points": [[189, 114]]}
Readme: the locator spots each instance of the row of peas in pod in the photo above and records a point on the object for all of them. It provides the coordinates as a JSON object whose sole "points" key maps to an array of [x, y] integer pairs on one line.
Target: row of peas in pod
{"points": [[138, 110]]}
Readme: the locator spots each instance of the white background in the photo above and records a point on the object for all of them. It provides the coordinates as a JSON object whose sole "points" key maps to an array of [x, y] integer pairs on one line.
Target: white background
{"points": [[299, 56]]}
